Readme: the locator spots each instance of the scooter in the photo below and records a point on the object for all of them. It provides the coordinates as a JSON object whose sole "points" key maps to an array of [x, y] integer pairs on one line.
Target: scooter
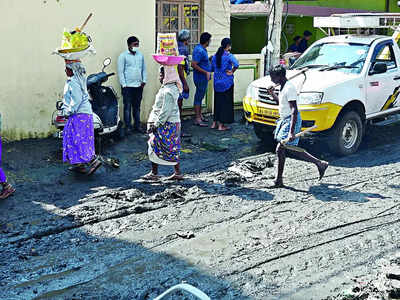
{"points": [[105, 107]]}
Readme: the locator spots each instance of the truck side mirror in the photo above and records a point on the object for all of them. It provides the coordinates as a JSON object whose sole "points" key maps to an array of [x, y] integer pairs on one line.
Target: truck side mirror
{"points": [[378, 68]]}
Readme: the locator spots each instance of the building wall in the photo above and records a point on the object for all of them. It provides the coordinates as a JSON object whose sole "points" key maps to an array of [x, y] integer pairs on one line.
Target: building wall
{"points": [[32, 80], [248, 34], [378, 5], [216, 21]]}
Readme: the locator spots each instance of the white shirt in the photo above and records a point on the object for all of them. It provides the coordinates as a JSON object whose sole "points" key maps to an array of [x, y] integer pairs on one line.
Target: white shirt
{"points": [[165, 108], [287, 94]]}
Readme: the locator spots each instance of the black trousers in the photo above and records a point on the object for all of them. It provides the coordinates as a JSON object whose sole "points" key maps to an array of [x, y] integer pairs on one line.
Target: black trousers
{"points": [[132, 97], [223, 106]]}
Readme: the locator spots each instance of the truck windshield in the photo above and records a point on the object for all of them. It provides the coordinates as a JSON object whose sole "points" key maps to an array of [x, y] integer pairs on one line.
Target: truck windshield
{"points": [[345, 57]]}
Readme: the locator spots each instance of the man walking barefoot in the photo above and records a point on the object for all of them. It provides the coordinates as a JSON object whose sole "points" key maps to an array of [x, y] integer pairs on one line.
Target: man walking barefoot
{"points": [[288, 126]]}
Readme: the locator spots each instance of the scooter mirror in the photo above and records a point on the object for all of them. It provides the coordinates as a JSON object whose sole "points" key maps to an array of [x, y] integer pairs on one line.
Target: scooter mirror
{"points": [[107, 62]]}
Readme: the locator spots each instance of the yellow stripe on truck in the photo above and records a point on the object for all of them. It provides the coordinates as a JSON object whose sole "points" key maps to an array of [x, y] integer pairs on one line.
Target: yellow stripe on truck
{"points": [[324, 115]]}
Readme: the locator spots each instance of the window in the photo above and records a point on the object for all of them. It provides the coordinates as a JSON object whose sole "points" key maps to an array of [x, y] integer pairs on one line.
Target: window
{"points": [[384, 54], [174, 15]]}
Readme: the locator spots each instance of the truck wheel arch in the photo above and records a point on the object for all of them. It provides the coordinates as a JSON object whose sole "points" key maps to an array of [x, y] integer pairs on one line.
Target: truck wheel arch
{"points": [[353, 105]]}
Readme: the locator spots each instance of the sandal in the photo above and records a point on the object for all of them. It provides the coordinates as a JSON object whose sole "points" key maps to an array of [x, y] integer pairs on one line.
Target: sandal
{"points": [[224, 129], [94, 165], [78, 169], [8, 190], [176, 177], [151, 177]]}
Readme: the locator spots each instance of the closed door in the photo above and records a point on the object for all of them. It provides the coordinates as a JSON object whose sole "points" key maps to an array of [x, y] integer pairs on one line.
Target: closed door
{"points": [[382, 90]]}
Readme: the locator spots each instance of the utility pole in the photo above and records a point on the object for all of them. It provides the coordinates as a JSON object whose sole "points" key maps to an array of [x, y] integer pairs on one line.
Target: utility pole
{"points": [[274, 33]]}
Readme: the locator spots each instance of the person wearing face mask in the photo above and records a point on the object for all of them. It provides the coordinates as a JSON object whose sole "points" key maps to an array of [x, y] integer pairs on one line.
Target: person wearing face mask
{"points": [[224, 65], [132, 77]]}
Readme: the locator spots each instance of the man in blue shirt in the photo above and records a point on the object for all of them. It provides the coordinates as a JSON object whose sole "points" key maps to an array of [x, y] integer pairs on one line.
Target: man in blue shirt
{"points": [[132, 77], [295, 46], [201, 75], [183, 71], [304, 41]]}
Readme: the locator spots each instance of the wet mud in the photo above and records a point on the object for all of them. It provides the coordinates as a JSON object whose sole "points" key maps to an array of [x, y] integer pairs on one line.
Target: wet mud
{"points": [[223, 230]]}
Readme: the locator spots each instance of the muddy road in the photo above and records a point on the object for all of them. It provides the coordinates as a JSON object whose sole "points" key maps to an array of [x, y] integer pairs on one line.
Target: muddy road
{"points": [[113, 236]]}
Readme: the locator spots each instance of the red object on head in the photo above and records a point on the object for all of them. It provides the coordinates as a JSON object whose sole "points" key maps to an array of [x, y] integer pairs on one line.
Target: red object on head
{"points": [[68, 61]]}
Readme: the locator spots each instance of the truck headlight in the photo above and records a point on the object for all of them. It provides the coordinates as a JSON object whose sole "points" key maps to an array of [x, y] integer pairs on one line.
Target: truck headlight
{"points": [[310, 98], [251, 92]]}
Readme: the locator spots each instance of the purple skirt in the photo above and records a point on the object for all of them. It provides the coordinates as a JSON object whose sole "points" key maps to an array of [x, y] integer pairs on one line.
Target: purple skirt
{"points": [[3, 177], [78, 139]]}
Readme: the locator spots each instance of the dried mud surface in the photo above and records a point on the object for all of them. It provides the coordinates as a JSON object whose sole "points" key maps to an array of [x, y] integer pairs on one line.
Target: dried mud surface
{"points": [[113, 236]]}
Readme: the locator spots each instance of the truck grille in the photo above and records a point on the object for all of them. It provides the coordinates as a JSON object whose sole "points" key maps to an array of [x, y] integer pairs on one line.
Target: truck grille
{"points": [[265, 98]]}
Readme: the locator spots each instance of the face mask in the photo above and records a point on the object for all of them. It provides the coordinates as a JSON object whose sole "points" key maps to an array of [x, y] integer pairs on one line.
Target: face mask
{"points": [[134, 49]]}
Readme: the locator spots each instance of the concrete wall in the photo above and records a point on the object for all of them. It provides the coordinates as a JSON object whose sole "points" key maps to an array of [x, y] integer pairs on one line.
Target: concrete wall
{"points": [[32, 80], [216, 15], [248, 34], [216, 20]]}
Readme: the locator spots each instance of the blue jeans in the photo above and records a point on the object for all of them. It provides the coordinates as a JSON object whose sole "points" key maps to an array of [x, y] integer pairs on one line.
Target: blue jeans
{"points": [[132, 99], [201, 89]]}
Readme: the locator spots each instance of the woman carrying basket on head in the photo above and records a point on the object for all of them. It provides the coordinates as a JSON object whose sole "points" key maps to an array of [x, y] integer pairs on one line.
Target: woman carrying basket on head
{"points": [[78, 136]]}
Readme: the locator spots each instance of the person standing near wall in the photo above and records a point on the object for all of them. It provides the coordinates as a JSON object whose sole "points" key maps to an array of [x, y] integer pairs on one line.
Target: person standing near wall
{"points": [[183, 70], [294, 48], [7, 189], [201, 76], [224, 65], [132, 77], [78, 134]]}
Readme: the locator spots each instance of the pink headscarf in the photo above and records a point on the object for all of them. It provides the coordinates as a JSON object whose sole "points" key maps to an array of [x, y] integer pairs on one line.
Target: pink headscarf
{"points": [[171, 76]]}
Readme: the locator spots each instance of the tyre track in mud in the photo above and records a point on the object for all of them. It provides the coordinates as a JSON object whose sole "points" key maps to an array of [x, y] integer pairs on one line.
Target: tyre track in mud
{"points": [[303, 249], [295, 246]]}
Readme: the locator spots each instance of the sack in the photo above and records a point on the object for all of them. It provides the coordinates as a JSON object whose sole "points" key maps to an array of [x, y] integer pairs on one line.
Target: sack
{"points": [[167, 44]]}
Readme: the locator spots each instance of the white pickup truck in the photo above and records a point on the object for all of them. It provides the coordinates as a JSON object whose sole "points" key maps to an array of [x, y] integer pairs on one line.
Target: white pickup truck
{"points": [[347, 82]]}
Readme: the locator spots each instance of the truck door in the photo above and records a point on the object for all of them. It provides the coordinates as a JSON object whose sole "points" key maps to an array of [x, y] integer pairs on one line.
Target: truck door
{"points": [[382, 90]]}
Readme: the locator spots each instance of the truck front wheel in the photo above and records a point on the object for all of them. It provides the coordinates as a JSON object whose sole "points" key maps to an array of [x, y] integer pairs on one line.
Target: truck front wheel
{"points": [[347, 134]]}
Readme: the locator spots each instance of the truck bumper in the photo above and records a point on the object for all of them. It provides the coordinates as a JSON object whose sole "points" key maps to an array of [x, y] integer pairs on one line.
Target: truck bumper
{"points": [[321, 115]]}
